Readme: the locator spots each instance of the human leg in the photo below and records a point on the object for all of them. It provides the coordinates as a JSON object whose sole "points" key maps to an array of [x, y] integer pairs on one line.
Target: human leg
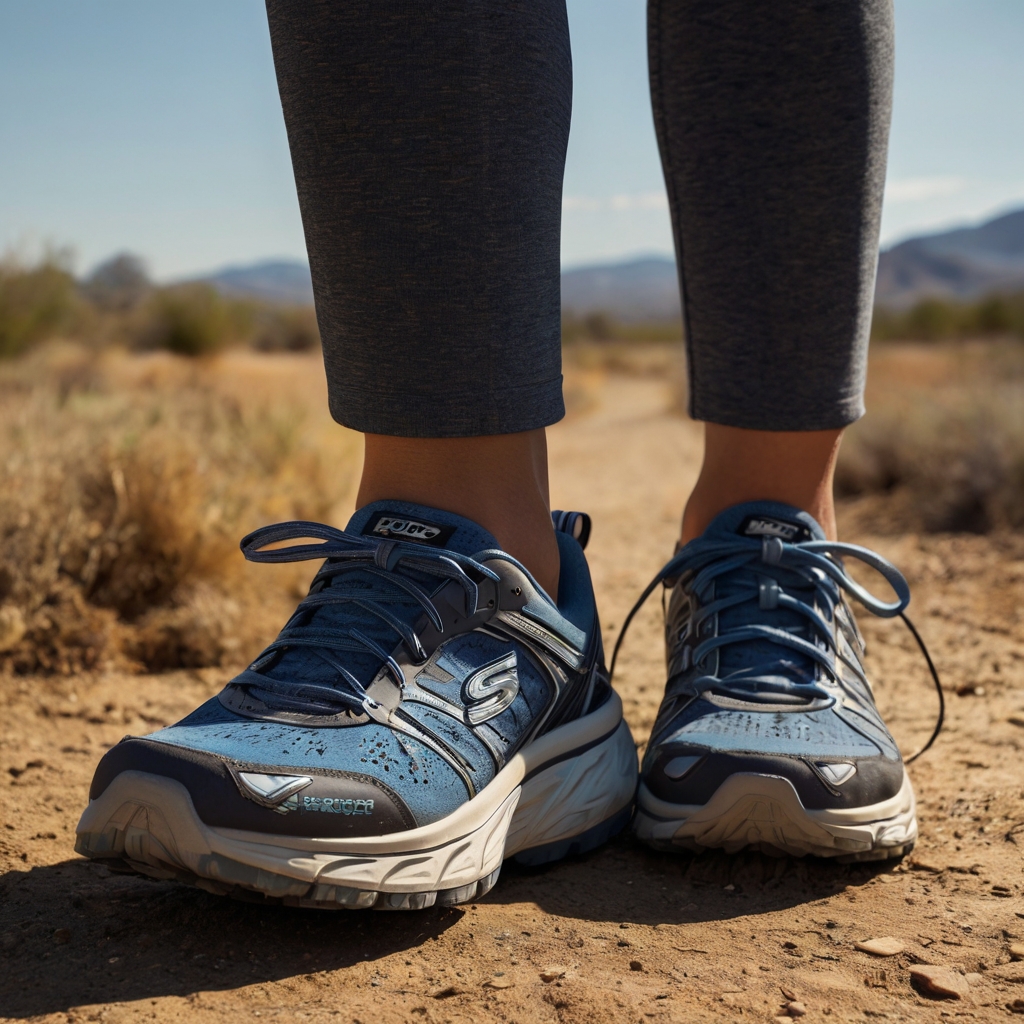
{"points": [[432, 706], [429, 167], [772, 121], [498, 480], [793, 467]]}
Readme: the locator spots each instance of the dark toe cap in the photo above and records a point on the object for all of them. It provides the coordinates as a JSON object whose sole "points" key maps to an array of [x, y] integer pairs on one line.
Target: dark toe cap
{"points": [[263, 798], [682, 775]]}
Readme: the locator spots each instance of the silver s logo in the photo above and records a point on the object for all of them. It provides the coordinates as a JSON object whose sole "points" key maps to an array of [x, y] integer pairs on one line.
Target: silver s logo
{"points": [[491, 689]]}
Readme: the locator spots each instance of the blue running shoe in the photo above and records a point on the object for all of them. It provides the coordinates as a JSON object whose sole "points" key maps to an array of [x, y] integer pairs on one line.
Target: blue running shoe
{"points": [[426, 712], [768, 736]]}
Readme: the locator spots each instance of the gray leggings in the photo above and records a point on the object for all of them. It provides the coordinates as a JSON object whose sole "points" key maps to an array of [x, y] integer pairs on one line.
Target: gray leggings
{"points": [[428, 141]]}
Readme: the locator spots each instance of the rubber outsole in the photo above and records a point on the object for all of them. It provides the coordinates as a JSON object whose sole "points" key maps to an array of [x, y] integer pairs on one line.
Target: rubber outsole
{"points": [[567, 793], [753, 811], [247, 889]]}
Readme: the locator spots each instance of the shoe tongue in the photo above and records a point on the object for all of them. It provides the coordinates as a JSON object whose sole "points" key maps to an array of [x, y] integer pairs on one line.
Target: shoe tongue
{"points": [[386, 520], [765, 519], [420, 524], [759, 519]]}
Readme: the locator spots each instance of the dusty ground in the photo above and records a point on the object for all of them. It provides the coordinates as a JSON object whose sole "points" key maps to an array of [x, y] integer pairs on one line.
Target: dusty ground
{"points": [[624, 934]]}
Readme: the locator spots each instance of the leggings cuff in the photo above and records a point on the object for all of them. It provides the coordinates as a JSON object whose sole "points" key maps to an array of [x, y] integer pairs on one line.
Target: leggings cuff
{"points": [[500, 410], [828, 415]]}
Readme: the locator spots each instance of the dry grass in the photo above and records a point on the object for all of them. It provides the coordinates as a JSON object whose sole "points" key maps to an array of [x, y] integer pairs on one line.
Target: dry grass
{"points": [[942, 446], [129, 478], [586, 363], [940, 450], [128, 481]]}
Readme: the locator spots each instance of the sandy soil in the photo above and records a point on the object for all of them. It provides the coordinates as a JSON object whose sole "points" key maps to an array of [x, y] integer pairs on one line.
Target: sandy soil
{"points": [[624, 934]]}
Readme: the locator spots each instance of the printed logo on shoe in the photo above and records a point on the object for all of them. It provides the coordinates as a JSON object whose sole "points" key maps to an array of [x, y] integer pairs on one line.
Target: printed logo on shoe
{"points": [[399, 527], [328, 805], [768, 526]]}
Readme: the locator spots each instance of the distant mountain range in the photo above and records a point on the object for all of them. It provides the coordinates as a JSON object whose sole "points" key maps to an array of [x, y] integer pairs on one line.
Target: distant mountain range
{"points": [[640, 289], [283, 281], [965, 263]]}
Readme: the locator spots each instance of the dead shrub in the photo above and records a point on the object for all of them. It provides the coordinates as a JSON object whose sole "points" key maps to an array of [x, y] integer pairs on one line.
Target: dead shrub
{"points": [[286, 329], [944, 454], [124, 502], [158, 536]]}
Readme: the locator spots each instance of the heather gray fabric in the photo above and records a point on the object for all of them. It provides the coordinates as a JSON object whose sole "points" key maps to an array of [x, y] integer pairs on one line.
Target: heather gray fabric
{"points": [[773, 123], [428, 142]]}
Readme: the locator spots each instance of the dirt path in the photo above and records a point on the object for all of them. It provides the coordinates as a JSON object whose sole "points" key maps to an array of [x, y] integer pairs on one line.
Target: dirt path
{"points": [[623, 935]]}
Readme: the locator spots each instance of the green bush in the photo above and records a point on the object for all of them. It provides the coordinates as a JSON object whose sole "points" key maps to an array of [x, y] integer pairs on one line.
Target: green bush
{"points": [[286, 329], [1000, 314], [601, 326], [35, 302], [117, 304], [191, 320], [946, 319]]}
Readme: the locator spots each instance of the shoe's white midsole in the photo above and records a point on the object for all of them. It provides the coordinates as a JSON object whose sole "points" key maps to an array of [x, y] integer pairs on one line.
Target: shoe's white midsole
{"points": [[749, 808], [160, 825]]}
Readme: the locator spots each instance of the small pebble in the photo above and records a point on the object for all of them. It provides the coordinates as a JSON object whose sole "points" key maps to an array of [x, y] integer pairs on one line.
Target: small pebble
{"points": [[552, 974], [940, 980], [934, 866], [795, 1009], [1017, 950], [498, 983], [788, 994], [635, 965], [886, 946]]}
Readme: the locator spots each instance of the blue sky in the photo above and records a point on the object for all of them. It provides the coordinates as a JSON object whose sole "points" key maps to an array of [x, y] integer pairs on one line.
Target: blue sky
{"points": [[155, 127]]}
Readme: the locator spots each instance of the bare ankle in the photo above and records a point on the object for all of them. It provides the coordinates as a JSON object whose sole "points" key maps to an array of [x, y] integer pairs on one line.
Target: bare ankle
{"points": [[498, 481], [794, 467]]}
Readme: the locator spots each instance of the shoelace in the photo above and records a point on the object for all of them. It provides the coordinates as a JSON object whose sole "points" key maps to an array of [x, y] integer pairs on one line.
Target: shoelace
{"points": [[394, 565], [755, 568]]}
